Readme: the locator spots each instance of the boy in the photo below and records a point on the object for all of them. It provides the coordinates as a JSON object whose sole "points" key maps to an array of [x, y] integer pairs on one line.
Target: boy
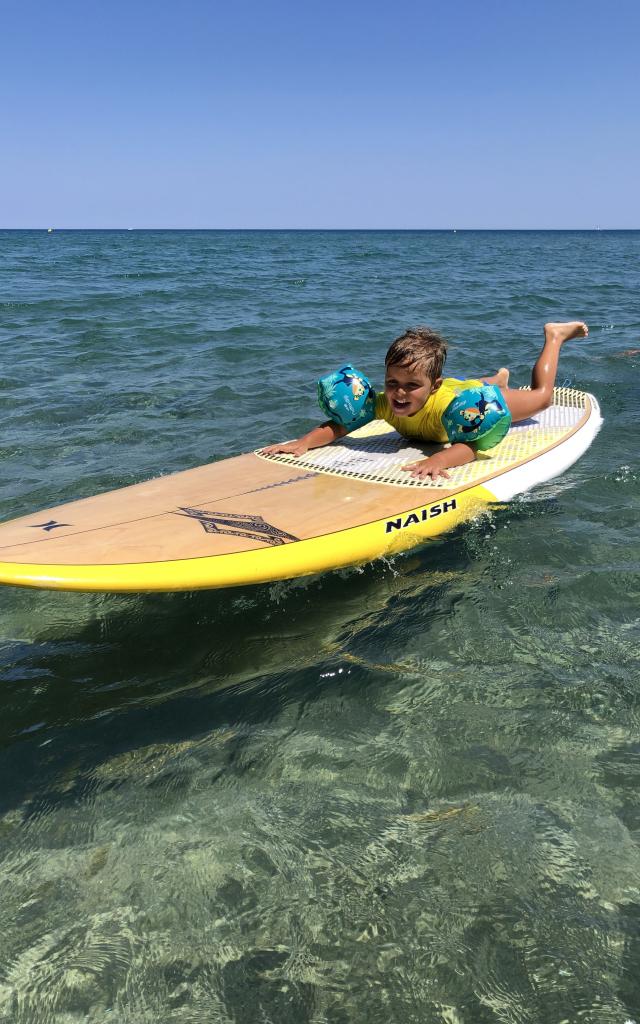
{"points": [[473, 415]]}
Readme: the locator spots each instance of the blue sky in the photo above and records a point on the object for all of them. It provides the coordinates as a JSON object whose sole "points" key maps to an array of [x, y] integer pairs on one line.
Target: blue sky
{"points": [[406, 114]]}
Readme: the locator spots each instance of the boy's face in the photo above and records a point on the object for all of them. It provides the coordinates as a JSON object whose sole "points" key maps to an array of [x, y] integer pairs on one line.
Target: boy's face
{"points": [[407, 388]]}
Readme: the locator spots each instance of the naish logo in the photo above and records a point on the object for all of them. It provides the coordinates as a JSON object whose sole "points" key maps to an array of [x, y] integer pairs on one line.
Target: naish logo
{"points": [[415, 518]]}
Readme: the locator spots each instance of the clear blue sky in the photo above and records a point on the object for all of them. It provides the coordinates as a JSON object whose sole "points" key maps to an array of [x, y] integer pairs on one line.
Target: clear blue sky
{"points": [[413, 113]]}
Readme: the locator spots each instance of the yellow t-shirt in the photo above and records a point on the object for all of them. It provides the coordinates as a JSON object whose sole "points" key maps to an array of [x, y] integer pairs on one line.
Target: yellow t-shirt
{"points": [[426, 424]]}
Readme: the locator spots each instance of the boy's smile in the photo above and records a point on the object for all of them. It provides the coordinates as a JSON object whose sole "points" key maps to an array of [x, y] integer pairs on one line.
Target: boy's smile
{"points": [[407, 389]]}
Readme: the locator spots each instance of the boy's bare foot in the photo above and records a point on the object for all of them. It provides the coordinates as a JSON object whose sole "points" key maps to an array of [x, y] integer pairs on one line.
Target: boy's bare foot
{"points": [[560, 333], [501, 378]]}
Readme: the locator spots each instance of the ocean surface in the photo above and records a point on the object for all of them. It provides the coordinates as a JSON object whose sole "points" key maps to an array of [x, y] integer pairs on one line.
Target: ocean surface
{"points": [[404, 793]]}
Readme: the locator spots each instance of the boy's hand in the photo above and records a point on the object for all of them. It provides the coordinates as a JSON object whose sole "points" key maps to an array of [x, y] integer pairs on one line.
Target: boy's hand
{"points": [[427, 467], [288, 448], [316, 438], [437, 465]]}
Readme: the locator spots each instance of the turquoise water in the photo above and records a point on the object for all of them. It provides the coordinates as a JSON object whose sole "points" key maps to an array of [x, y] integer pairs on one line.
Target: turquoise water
{"points": [[406, 793]]}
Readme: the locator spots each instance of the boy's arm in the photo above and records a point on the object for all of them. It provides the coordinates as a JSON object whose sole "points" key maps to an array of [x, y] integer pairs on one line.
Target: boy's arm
{"points": [[316, 438], [436, 465]]}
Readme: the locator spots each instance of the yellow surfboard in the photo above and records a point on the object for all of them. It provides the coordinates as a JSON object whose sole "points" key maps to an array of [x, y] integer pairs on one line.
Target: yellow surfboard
{"points": [[257, 518]]}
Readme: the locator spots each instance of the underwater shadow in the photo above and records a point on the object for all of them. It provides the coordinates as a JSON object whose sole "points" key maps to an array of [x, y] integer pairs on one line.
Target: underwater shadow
{"points": [[169, 668]]}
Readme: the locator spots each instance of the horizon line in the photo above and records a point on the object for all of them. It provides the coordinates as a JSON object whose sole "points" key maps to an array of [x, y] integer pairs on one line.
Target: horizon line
{"points": [[451, 230]]}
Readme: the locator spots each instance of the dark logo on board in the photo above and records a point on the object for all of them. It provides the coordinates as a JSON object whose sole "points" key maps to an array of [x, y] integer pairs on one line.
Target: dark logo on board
{"points": [[47, 527], [414, 518], [238, 525]]}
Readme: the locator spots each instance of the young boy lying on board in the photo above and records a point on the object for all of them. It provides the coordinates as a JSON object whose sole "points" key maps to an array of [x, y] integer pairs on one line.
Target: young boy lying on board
{"points": [[470, 415]]}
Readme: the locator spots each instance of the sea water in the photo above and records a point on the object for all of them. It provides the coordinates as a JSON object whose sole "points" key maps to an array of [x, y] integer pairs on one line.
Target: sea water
{"points": [[404, 793]]}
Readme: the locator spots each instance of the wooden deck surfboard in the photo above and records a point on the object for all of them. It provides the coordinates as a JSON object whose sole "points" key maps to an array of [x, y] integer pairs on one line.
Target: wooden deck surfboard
{"points": [[258, 518]]}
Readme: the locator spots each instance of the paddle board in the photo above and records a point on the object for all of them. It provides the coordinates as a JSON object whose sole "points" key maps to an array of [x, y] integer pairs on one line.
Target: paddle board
{"points": [[257, 518]]}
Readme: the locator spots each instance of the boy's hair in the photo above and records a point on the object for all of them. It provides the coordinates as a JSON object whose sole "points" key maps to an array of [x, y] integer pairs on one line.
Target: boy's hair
{"points": [[421, 347]]}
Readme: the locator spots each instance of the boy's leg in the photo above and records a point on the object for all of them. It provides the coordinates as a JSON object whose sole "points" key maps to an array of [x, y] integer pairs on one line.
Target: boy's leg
{"points": [[523, 404]]}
